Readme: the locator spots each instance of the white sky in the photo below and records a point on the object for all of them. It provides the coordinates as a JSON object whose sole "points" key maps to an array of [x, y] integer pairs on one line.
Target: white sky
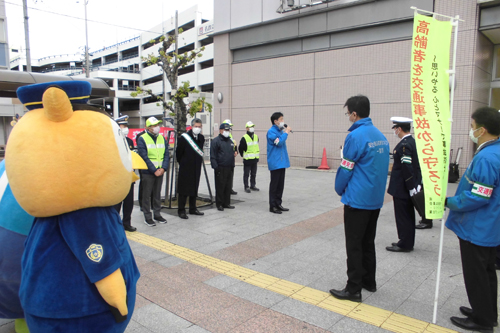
{"points": [[53, 33]]}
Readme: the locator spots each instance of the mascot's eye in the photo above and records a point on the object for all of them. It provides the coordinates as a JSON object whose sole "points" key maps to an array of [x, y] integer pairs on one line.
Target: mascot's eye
{"points": [[122, 146]]}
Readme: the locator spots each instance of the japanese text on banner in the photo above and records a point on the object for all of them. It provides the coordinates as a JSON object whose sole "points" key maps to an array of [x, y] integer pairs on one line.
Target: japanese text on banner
{"points": [[431, 107]]}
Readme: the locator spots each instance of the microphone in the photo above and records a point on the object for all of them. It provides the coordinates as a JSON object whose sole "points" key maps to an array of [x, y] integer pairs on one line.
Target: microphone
{"points": [[285, 126]]}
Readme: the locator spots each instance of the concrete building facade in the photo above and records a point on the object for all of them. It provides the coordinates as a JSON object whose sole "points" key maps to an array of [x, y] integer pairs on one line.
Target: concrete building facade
{"points": [[305, 60]]}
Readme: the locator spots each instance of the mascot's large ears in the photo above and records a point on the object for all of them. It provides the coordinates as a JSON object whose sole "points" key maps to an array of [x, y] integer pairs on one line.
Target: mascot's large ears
{"points": [[59, 160]]}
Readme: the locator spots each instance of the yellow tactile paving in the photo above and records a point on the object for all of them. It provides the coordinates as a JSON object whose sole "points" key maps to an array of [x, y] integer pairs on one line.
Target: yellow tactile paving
{"points": [[366, 313]]}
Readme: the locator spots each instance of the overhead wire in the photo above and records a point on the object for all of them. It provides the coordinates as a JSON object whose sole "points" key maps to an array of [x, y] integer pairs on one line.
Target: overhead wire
{"points": [[80, 18]]}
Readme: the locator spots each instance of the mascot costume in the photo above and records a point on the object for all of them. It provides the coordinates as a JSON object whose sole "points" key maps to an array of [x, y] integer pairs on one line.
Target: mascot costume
{"points": [[68, 164], [15, 224]]}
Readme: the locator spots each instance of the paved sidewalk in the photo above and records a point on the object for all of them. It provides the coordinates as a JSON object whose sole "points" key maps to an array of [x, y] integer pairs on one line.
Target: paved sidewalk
{"points": [[182, 291]]}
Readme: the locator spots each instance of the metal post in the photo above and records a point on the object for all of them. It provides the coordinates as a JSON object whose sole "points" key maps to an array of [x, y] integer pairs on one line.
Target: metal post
{"points": [[27, 36], [454, 22], [87, 65]]}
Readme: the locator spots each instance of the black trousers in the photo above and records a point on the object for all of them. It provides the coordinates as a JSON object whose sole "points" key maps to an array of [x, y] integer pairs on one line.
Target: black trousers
{"points": [[140, 191], [478, 266], [249, 169], [276, 187], [223, 186], [404, 212], [360, 226], [151, 187], [182, 203], [128, 206]]}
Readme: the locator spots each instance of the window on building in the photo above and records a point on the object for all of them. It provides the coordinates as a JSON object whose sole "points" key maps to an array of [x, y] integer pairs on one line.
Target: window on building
{"points": [[207, 64], [3, 55], [154, 79], [207, 41], [185, 70]]}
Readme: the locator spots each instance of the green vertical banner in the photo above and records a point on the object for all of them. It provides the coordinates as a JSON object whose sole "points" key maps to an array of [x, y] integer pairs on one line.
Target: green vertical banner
{"points": [[430, 96]]}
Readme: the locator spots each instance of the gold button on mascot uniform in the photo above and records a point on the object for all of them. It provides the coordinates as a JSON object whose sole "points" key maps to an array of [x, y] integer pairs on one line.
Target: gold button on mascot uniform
{"points": [[68, 164]]}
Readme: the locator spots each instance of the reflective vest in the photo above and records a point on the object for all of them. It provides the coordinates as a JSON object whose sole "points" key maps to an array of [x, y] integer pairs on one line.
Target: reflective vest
{"points": [[156, 151], [253, 150]]}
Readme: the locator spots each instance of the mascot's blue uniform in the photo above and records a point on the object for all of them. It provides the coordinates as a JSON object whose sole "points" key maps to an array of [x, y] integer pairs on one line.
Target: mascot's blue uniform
{"points": [[78, 271], [15, 224], [46, 290]]}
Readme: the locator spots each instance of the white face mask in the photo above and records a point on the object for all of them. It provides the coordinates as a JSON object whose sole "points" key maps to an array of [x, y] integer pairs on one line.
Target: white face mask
{"points": [[396, 133], [251, 129], [125, 131], [472, 137], [225, 134], [196, 130], [156, 130], [282, 124]]}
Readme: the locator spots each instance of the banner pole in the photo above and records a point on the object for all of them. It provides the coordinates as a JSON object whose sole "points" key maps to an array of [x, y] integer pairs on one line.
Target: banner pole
{"points": [[454, 23]]}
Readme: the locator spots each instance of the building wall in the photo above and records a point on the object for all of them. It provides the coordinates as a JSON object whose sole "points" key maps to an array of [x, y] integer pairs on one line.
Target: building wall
{"points": [[310, 87]]}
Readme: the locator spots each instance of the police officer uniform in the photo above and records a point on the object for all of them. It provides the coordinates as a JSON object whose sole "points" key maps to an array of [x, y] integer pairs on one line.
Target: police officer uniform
{"points": [[222, 161], [228, 121], [405, 178], [128, 202]]}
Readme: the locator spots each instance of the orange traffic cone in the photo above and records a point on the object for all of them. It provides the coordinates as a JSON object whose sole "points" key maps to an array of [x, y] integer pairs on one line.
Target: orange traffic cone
{"points": [[324, 163]]}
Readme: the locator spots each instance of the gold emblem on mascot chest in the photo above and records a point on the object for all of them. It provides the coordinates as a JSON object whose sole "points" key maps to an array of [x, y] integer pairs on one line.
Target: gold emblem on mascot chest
{"points": [[95, 252]]}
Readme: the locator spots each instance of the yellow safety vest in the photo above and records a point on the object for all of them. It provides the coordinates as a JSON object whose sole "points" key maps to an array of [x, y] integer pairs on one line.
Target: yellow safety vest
{"points": [[156, 151], [253, 150]]}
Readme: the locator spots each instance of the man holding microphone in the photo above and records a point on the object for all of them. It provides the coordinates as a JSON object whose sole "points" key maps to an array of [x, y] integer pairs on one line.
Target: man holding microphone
{"points": [[277, 161]]}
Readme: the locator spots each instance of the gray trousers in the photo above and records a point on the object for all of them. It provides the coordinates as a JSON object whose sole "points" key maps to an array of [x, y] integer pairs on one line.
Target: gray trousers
{"points": [[151, 187]]}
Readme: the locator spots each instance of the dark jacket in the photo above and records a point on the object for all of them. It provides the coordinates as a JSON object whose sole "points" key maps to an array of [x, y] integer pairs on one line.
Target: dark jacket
{"points": [[405, 174], [130, 143], [222, 152], [190, 164], [142, 150], [243, 147]]}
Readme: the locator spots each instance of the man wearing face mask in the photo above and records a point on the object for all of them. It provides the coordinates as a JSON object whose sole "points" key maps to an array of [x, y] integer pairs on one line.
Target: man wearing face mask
{"points": [[406, 180], [128, 202], [153, 150], [475, 218], [360, 180], [249, 150], [228, 121], [222, 156], [277, 161], [189, 154]]}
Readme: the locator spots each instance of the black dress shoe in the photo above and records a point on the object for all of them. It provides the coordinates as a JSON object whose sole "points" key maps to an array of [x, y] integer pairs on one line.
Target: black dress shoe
{"points": [[394, 244], [468, 312], [183, 216], [196, 212], [395, 248], [283, 209], [368, 288], [248, 190], [423, 226], [468, 324], [233, 192], [129, 228], [275, 210], [229, 207], [220, 208], [344, 294], [254, 188]]}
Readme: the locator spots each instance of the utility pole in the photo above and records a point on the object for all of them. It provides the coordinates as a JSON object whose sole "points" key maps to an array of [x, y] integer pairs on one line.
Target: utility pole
{"points": [[27, 36], [87, 65], [176, 73]]}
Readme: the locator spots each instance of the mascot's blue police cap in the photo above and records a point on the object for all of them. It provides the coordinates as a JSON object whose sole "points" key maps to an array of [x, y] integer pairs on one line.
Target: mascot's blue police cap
{"points": [[31, 96]]}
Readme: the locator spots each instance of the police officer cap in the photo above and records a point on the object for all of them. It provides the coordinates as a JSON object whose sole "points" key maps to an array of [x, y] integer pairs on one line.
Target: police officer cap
{"points": [[398, 121], [123, 120], [225, 126], [31, 96]]}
